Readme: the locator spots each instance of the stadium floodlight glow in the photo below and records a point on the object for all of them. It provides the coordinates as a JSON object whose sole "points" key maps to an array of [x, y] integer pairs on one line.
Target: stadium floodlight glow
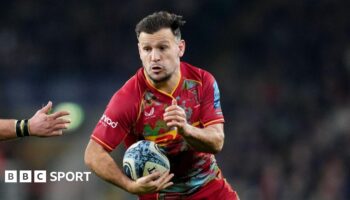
{"points": [[76, 114]]}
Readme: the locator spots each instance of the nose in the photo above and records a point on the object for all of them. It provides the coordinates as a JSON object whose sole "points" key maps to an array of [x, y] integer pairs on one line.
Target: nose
{"points": [[155, 55]]}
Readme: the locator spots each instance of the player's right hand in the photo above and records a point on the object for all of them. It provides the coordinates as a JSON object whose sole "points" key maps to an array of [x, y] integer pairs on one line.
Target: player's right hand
{"points": [[43, 124], [152, 183]]}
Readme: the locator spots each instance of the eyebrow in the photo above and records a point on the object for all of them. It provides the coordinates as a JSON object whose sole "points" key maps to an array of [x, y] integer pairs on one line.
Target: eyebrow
{"points": [[158, 43]]}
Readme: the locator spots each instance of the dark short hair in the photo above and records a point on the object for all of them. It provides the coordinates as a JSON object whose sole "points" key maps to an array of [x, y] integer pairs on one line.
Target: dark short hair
{"points": [[158, 20]]}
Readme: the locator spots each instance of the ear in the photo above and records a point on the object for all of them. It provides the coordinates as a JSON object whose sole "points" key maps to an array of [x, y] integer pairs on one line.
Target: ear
{"points": [[182, 47]]}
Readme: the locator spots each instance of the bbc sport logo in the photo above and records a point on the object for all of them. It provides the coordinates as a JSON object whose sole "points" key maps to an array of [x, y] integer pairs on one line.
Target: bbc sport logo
{"points": [[40, 176]]}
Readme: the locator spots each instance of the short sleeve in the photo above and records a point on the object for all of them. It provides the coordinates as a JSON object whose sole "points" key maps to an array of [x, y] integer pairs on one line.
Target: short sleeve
{"points": [[211, 112], [117, 120]]}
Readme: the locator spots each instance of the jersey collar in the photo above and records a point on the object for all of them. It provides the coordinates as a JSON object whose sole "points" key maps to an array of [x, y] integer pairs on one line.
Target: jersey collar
{"points": [[150, 85]]}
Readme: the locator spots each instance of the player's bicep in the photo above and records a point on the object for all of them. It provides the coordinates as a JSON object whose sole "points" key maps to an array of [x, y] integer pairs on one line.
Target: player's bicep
{"points": [[216, 128], [93, 152], [93, 149]]}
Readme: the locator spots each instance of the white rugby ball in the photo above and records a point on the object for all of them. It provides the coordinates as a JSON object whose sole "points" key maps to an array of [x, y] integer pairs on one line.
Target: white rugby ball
{"points": [[143, 158]]}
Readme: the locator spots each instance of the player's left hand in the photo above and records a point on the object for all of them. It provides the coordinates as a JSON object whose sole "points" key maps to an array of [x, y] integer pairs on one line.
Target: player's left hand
{"points": [[175, 116]]}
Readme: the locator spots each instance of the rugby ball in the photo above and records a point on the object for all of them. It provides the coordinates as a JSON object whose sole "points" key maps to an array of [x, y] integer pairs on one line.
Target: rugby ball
{"points": [[143, 158]]}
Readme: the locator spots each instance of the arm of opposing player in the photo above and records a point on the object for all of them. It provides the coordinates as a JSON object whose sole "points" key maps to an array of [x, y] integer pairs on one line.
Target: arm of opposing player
{"points": [[100, 162], [43, 124], [7, 129]]}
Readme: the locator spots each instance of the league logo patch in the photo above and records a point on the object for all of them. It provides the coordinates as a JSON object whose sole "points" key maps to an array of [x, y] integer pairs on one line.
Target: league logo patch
{"points": [[216, 96]]}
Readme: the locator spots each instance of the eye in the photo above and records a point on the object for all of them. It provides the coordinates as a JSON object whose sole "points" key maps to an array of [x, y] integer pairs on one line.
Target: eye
{"points": [[147, 49], [163, 47]]}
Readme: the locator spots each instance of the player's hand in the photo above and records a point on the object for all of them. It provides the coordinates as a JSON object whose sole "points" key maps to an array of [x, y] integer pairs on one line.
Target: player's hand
{"points": [[152, 183], [175, 116], [43, 124]]}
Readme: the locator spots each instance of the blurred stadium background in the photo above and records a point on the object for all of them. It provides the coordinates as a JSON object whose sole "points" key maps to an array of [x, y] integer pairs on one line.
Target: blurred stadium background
{"points": [[282, 67]]}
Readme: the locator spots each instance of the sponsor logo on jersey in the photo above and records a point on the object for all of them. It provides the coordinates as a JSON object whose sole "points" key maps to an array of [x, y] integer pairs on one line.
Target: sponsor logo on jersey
{"points": [[107, 121]]}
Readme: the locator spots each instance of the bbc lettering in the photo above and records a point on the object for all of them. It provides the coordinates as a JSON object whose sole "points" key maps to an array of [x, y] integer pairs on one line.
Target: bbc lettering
{"points": [[10, 176], [39, 176], [25, 176]]}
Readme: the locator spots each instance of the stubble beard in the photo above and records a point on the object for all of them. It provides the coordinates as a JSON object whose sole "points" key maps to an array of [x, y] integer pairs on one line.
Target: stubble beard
{"points": [[161, 80]]}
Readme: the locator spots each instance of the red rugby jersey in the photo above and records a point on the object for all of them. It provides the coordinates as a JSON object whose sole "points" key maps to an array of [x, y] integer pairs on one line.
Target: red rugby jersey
{"points": [[136, 110]]}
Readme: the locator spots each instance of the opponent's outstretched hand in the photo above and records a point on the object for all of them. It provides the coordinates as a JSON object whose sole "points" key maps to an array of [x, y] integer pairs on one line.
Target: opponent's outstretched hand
{"points": [[152, 183], [43, 124]]}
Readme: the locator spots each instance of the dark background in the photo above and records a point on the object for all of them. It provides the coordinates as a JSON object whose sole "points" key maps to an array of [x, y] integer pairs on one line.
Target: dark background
{"points": [[282, 67]]}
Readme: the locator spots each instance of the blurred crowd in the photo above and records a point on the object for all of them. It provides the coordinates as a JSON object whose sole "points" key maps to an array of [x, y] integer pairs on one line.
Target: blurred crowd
{"points": [[283, 68]]}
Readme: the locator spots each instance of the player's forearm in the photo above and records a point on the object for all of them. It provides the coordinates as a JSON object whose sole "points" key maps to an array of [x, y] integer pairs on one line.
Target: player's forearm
{"points": [[209, 139], [101, 163], [7, 129], [107, 169]]}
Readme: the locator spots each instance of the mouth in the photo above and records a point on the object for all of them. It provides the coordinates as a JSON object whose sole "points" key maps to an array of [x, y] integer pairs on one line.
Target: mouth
{"points": [[156, 68]]}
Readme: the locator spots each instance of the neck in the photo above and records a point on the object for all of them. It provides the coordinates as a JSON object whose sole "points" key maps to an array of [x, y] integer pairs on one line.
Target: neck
{"points": [[167, 86]]}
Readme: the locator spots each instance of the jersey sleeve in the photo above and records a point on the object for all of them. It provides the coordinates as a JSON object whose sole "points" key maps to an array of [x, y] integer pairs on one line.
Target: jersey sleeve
{"points": [[211, 112], [117, 120]]}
